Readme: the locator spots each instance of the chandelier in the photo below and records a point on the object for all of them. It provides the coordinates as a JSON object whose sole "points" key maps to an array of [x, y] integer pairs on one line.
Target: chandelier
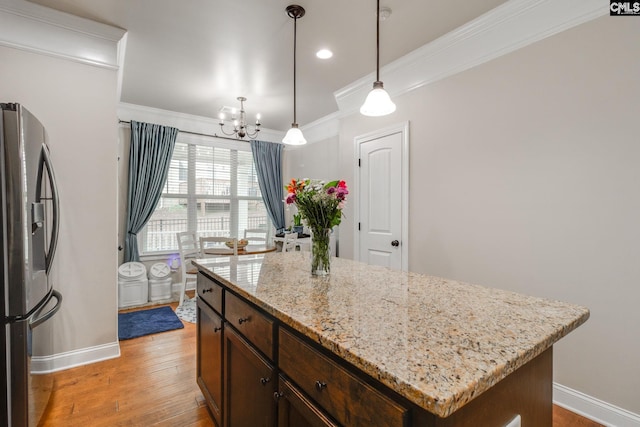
{"points": [[240, 126]]}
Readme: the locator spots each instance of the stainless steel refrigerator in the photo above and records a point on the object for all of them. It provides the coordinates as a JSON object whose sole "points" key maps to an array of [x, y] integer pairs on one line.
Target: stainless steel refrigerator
{"points": [[29, 224]]}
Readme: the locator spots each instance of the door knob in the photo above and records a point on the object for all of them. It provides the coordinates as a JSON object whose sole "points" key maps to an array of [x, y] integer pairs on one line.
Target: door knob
{"points": [[395, 243]]}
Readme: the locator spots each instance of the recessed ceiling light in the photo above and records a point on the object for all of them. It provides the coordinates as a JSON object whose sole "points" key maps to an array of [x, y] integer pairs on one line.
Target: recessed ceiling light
{"points": [[324, 54]]}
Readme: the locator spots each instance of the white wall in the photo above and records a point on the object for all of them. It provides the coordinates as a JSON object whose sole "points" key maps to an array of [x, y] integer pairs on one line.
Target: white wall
{"points": [[524, 175], [315, 161], [77, 105]]}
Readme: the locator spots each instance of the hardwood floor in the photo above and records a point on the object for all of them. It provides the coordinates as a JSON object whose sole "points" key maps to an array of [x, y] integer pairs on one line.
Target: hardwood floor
{"points": [[153, 383], [565, 418]]}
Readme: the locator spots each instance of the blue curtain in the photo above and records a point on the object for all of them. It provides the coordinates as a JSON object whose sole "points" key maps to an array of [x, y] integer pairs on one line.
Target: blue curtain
{"points": [[267, 157], [149, 158]]}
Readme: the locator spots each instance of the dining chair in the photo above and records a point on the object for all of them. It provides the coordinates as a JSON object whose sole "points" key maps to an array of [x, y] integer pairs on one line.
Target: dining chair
{"points": [[188, 249], [257, 235], [290, 242], [217, 241]]}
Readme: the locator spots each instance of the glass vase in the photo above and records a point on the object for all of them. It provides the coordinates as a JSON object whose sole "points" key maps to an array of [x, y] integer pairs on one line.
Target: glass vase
{"points": [[320, 252]]}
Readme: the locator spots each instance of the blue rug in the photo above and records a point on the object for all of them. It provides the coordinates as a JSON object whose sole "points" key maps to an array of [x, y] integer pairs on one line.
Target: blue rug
{"points": [[145, 322]]}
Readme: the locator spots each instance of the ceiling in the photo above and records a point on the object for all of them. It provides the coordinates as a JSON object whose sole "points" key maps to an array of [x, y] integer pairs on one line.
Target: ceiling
{"points": [[197, 56]]}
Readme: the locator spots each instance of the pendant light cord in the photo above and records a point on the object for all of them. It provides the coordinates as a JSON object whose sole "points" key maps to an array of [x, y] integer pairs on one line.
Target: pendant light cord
{"points": [[378, 40], [295, 32]]}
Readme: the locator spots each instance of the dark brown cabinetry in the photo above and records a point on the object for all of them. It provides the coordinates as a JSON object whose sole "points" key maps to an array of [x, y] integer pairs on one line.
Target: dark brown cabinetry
{"points": [[296, 410], [249, 385], [255, 326], [234, 348], [237, 350], [255, 371], [344, 396], [209, 358], [210, 292]]}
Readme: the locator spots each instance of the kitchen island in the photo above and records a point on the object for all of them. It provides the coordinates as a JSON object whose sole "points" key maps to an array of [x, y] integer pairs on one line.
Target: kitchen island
{"points": [[370, 346]]}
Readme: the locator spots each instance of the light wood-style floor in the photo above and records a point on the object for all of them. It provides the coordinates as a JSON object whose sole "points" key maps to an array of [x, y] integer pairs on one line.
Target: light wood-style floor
{"points": [[153, 383]]}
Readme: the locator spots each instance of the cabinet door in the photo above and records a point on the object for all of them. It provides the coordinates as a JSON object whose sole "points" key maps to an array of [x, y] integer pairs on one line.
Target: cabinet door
{"points": [[249, 385], [209, 358], [295, 410]]}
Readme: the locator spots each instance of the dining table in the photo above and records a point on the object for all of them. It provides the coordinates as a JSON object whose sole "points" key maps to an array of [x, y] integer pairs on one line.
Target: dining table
{"points": [[247, 250]]}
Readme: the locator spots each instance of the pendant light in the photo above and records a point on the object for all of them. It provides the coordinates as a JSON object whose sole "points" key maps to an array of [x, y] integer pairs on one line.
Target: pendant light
{"points": [[378, 102], [294, 135]]}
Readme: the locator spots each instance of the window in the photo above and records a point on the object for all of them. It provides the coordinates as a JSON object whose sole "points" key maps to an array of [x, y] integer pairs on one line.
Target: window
{"points": [[211, 189]]}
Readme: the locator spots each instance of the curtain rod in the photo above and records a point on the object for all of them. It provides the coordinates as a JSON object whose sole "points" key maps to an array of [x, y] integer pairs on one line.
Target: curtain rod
{"points": [[197, 133]]}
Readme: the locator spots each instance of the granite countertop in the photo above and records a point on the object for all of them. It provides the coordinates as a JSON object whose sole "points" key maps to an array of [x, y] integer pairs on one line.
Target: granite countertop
{"points": [[438, 342]]}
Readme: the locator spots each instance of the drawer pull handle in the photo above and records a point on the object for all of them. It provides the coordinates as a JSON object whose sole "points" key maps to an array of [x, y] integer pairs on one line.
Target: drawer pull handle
{"points": [[217, 329], [277, 395], [264, 381], [320, 385], [242, 320], [204, 291]]}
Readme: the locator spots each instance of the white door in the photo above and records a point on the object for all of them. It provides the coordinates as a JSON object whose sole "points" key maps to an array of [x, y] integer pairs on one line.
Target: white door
{"points": [[382, 198]]}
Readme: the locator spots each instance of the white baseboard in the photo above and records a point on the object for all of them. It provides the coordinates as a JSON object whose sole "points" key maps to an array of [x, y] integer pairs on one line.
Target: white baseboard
{"points": [[71, 359], [592, 408]]}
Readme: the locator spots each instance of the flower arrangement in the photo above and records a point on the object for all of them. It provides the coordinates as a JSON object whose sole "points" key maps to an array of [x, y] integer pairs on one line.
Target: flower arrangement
{"points": [[320, 205]]}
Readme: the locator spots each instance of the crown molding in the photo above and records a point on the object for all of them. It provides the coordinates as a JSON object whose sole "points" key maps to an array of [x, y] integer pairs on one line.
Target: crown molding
{"points": [[184, 122], [35, 28], [510, 26], [323, 128]]}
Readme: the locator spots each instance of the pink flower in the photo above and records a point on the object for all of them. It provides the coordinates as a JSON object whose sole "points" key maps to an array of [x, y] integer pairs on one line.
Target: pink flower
{"points": [[291, 198], [331, 190], [341, 204], [341, 193], [342, 184]]}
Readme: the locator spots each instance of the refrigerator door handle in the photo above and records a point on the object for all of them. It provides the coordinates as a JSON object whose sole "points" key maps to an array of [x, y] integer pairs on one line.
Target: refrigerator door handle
{"points": [[45, 163], [39, 318]]}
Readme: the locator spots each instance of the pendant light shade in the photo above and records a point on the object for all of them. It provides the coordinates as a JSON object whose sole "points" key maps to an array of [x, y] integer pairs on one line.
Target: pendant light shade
{"points": [[378, 102], [294, 135]]}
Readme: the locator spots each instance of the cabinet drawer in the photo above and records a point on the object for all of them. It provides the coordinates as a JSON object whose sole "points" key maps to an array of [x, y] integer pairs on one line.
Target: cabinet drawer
{"points": [[255, 326], [344, 396], [210, 292]]}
